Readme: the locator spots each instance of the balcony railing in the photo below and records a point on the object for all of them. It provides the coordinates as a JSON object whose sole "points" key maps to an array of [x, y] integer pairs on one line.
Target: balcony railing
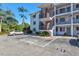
{"points": [[41, 16], [48, 27], [41, 27], [65, 22], [67, 9], [76, 21], [47, 15], [69, 22], [74, 9]]}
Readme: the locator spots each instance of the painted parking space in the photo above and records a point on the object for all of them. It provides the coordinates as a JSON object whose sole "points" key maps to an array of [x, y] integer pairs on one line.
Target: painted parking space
{"points": [[32, 40], [30, 45]]}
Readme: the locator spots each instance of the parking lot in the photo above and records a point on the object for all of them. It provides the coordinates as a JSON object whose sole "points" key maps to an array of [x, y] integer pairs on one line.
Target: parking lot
{"points": [[28, 45]]}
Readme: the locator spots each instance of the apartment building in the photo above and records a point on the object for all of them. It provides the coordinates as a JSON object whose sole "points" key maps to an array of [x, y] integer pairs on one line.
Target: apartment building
{"points": [[57, 19]]}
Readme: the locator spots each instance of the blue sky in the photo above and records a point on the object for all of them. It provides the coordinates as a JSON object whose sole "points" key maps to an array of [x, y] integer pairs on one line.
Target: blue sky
{"points": [[31, 7]]}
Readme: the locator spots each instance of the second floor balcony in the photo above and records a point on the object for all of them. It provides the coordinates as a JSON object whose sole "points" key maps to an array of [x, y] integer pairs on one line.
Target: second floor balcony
{"points": [[67, 9], [63, 10], [75, 7], [46, 15], [45, 25], [63, 21], [76, 21]]}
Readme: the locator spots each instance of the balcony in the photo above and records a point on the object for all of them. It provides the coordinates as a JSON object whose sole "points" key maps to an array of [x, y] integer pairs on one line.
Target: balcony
{"points": [[65, 22], [75, 7], [45, 25], [76, 21], [46, 17], [42, 27], [63, 10], [49, 14]]}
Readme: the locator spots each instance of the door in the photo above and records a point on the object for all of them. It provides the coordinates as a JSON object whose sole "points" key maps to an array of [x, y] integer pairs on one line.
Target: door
{"points": [[68, 30]]}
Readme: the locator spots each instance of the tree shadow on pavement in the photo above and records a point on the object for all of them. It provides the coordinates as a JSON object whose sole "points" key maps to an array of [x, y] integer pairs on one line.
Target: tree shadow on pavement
{"points": [[74, 42]]}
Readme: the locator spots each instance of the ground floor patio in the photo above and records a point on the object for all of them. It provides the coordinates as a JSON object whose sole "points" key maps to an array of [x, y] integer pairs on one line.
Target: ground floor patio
{"points": [[66, 30]]}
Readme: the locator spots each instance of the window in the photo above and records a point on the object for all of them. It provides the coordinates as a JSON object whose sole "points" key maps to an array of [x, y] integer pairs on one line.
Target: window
{"points": [[62, 28], [57, 29], [34, 29], [77, 28], [62, 19], [68, 9], [34, 23], [62, 10], [34, 16], [41, 25], [56, 20], [77, 5], [77, 16], [41, 15], [56, 11]]}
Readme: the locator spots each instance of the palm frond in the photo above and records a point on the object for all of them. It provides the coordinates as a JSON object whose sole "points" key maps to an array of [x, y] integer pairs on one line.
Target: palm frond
{"points": [[22, 9]]}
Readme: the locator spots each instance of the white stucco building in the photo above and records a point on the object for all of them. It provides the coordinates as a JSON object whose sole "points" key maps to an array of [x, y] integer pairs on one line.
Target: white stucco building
{"points": [[58, 19]]}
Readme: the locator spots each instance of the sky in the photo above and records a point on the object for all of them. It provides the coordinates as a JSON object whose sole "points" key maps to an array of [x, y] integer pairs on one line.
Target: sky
{"points": [[31, 7]]}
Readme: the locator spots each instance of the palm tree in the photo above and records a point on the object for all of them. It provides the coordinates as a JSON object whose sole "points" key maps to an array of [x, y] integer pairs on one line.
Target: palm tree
{"points": [[10, 17], [8, 20], [22, 10], [9, 12]]}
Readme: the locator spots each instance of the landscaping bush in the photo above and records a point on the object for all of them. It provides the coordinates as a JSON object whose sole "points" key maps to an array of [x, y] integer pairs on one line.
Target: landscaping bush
{"points": [[29, 32], [65, 34], [38, 33], [44, 33]]}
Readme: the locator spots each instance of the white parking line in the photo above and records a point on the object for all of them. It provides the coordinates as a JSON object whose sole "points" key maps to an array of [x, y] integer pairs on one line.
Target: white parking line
{"points": [[30, 42], [60, 37], [49, 42], [35, 43]]}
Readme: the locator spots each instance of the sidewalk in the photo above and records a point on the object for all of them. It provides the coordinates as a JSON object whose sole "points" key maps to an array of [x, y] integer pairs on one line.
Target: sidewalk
{"points": [[2, 37], [54, 37], [65, 37]]}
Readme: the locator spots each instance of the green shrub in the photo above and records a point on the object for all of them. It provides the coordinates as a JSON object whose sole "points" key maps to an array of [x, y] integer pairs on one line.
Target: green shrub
{"points": [[38, 33], [29, 32], [65, 34], [44, 33]]}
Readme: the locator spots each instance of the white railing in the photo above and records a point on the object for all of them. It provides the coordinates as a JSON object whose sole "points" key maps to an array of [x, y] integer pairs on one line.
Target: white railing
{"points": [[65, 22], [76, 21]]}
